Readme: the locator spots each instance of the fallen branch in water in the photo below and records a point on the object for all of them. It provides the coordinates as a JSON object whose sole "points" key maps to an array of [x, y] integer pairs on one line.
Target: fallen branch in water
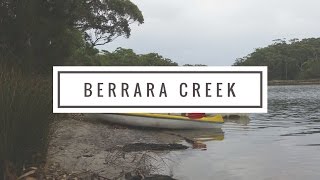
{"points": [[154, 147]]}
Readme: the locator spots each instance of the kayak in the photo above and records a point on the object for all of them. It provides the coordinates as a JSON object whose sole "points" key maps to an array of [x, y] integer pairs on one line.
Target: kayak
{"points": [[166, 121]]}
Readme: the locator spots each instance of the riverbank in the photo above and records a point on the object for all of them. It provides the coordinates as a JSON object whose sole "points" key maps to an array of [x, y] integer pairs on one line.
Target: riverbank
{"points": [[81, 147], [293, 82]]}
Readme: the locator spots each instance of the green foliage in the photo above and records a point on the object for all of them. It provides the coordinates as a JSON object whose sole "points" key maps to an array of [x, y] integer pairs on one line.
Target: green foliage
{"points": [[194, 65], [287, 60], [26, 111], [126, 57], [120, 57], [105, 20], [39, 34], [311, 69]]}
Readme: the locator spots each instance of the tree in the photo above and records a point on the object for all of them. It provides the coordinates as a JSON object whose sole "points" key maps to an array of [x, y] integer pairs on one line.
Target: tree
{"points": [[103, 21], [194, 65], [127, 57], [41, 33], [295, 59]]}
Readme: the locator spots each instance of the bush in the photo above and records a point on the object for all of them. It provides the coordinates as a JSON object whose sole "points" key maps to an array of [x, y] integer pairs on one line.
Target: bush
{"points": [[25, 116]]}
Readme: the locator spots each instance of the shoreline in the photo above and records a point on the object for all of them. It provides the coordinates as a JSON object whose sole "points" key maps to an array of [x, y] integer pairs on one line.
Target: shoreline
{"points": [[293, 82], [85, 147]]}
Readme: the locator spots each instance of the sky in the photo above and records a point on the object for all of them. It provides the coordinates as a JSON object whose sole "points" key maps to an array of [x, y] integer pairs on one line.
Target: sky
{"points": [[217, 32]]}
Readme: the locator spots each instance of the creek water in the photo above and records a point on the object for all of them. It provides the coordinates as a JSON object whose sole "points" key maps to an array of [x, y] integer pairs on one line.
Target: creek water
{"points": [[282, 144]]}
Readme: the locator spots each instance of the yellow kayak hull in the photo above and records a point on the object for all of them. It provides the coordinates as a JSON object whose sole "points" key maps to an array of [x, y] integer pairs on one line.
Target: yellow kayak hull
{"points": [[215, 119], [167, 121]]}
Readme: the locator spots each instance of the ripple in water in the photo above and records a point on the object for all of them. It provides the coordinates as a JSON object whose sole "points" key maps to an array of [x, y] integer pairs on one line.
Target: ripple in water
{"points": [[282, 144]]}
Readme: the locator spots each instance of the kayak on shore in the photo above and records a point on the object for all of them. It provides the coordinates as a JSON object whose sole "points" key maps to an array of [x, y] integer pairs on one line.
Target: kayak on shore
{"points": [[166, 121]]}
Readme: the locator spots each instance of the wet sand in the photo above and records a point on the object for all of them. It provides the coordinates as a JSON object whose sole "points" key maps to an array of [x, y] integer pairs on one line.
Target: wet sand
{"points": [[80, 145]]}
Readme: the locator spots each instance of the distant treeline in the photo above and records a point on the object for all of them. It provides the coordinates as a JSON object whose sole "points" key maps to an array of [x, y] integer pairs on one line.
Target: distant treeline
{"points": [[119, 57], [287, 60]]}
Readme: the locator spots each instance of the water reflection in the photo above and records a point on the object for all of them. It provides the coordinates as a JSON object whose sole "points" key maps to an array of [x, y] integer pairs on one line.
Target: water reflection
{"points": [[214, 134], [198, 138], [241, 120]]}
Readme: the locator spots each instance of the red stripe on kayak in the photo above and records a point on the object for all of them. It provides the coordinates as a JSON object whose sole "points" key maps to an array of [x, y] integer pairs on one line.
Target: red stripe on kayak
{"points": [[196, 115]]}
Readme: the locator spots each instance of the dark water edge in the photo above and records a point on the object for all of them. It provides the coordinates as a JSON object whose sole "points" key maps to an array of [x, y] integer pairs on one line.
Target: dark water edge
{"points": [[293, 82], [281, 144]]}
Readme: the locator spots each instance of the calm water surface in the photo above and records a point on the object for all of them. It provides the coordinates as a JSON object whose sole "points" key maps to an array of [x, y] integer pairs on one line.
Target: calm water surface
{"points": [[283, 144]]}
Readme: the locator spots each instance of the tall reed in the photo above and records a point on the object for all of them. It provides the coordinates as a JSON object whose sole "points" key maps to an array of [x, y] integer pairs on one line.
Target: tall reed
{"points": [[25, 116]]}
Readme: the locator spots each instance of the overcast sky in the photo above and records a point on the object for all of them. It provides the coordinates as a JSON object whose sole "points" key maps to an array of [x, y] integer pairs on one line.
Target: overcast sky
{"points": [[216, 32]]}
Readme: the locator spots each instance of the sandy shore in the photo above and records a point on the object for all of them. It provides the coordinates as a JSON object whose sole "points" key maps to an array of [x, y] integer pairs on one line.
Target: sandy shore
{"points": [[80, 145]]}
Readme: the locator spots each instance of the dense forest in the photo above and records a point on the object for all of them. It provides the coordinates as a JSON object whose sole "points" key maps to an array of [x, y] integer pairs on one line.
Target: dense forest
{"points": [[287, 60], [119, 57], [38, 34]]}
